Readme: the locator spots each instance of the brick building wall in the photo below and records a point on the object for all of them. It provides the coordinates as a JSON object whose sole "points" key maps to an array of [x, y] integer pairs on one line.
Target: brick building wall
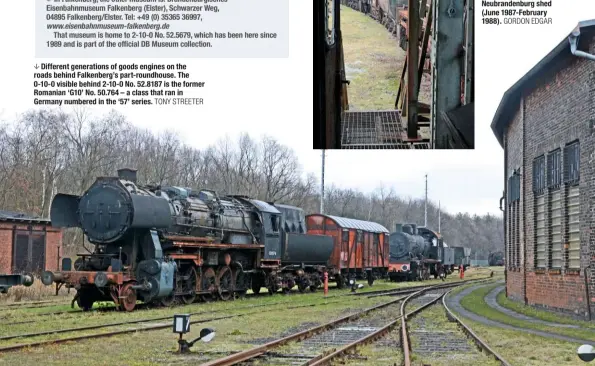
{"points": [[559, 110], [53, 241], [513, 143]]}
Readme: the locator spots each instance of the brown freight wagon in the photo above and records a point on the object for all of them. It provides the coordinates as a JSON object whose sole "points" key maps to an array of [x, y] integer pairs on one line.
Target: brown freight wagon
{"points": [[361, 249]]}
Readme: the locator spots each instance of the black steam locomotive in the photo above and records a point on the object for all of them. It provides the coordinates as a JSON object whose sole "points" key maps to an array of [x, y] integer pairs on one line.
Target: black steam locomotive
{"points": [[496, 259], [166, 244], [416, 253]]}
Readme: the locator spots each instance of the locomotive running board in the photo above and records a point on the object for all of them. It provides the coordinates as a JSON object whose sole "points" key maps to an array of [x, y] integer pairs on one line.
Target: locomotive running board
{"points": [[378, 130]]}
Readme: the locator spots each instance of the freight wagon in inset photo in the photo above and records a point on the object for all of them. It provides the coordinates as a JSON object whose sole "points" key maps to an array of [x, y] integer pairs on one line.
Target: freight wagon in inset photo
{"points": [[361, 248]]}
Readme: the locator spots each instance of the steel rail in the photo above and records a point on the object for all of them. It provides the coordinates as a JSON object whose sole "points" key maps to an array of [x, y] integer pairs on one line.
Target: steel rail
{"points": [[42, 302], [481, 344], [405, 341], [107, 309], [260, 350], [149, 328], [102, 335], [413, 288], [325, 359], [263, 349], [139, 307]]}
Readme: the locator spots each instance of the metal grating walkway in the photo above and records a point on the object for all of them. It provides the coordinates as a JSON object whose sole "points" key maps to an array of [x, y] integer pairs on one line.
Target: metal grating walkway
{"points": [[376, 130]]}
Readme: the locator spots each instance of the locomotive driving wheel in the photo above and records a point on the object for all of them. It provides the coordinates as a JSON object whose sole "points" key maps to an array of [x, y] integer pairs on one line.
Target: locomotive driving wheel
{"points": [[127, 297], [303, 284], [239, 282], [209, 283], [256, 285], [167, 301], [225, 283], [189, 285]]}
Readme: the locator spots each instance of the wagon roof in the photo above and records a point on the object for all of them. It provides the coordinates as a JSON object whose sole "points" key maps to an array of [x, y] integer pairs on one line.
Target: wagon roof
{"points": [[358, 224]]}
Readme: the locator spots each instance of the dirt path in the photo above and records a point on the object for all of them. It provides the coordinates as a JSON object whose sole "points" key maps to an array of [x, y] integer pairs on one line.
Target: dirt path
{"points": [[454, 302]]}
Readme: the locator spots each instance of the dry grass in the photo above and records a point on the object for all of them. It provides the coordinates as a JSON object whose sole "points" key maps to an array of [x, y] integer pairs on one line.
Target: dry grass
{"points": [[540, 314], [37, 291], [525, 349], [475, 303], [373, 62]]}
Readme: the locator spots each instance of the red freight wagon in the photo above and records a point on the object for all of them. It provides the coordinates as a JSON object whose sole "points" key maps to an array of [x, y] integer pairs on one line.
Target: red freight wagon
{"points": [[361, 248]]}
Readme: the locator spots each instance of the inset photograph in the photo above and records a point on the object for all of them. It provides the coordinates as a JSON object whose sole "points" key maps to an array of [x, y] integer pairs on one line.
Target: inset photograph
{"points": [[369, 94]]}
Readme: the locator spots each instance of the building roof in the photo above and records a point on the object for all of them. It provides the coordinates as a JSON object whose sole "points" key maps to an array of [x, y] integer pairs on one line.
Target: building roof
{"points": [[511, 99], [358, 224], [12, 216]]}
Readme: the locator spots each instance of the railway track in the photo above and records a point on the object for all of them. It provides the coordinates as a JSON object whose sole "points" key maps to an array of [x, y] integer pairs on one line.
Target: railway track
{"points": [[405, 290], [321, 344], [76, 312], [147, 325], [32, 305], [433, 340]]}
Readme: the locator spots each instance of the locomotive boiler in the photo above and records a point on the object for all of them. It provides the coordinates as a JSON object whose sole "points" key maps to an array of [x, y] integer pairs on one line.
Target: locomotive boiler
{"points": [[407, 249]]}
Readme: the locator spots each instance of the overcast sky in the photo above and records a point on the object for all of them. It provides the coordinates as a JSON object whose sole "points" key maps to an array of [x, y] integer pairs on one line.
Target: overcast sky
{"points": [[274, 97]]}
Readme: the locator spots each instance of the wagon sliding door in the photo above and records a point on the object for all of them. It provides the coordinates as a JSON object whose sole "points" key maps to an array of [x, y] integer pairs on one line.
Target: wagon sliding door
{"points": [[345, 248]]}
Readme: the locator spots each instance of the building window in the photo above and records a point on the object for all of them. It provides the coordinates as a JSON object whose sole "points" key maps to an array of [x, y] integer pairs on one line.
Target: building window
{"points": [[554, 169], [571, 163], [514, 187], [555, 225], [540, 239], [539, 175], [28, 252], [572, 233], [513, 236]]}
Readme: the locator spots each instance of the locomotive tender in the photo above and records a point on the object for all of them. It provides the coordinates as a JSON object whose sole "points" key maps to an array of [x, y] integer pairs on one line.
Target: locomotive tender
{"points": [[163, 245]]}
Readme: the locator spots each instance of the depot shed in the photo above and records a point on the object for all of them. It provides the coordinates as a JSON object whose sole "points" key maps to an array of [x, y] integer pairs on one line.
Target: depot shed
{"points": [[360, 246], [546, 125], [28, 244]]}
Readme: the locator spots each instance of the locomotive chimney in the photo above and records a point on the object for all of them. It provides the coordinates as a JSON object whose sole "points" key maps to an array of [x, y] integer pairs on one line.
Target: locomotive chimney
{"points": [[413, 229], [407, 229], [127, 174]]}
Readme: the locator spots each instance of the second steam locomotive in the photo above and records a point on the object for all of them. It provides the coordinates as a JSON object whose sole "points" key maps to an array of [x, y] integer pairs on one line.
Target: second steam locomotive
{"points": [[162, 245], [416, 253]]}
